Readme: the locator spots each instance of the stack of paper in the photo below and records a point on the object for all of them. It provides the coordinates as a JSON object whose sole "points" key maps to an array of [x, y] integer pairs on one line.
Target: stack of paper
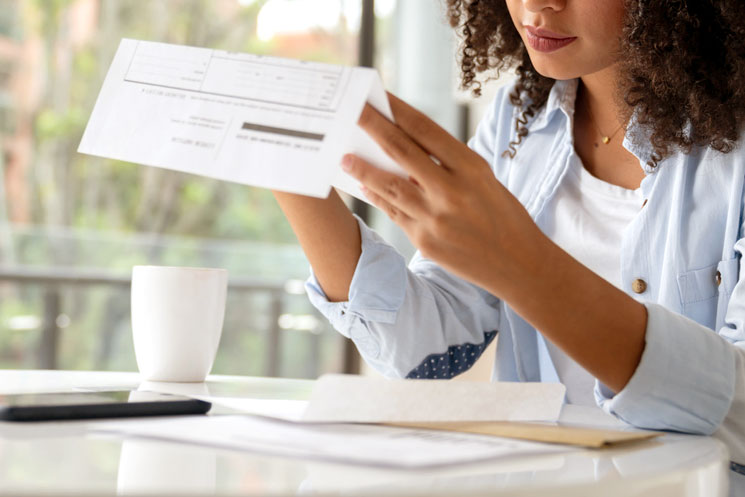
{"points": [[528, 411], [408, 423]]}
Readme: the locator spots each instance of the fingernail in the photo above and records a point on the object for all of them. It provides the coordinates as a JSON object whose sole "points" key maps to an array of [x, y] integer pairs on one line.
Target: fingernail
{"points": [[364, 190], [346, 162]]}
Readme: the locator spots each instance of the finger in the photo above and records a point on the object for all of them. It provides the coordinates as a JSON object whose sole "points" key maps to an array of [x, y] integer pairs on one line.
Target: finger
{"points": [[401, 148], [428, 134], [394, 213], [400, 192]]}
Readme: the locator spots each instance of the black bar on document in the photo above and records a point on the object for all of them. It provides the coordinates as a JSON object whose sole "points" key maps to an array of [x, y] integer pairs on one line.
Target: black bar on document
{"points": [[283, 131]]}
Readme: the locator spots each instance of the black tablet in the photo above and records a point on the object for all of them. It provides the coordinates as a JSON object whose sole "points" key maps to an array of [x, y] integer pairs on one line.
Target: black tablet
{"points": [[86, 405]]}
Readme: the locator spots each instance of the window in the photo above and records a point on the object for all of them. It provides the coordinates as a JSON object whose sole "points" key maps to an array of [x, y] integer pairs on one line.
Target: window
{"points": [[72, 226]]}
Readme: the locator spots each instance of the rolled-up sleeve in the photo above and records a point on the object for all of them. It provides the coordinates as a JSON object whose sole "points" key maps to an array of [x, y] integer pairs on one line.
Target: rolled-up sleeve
{"points": [[690, 378], [401, 317], [685, 380], [375, 293]]}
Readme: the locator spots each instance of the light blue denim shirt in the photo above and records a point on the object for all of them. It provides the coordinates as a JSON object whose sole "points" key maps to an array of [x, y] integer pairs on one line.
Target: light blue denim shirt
{"points": [[685, 244]]}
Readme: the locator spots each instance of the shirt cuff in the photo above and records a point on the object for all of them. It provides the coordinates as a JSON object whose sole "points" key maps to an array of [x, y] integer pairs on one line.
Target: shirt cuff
{"points": [[684, 382], [376, 291]]}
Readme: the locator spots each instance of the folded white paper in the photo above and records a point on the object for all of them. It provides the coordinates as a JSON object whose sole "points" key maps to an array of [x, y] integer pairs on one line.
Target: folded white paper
{"points": [[264, 121], [361, 399]]}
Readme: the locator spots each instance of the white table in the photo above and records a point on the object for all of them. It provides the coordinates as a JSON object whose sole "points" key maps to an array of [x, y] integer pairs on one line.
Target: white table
{"points": [[63, 458]]}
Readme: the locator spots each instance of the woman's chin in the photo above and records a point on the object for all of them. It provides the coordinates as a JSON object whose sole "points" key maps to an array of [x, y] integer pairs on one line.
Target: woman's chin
{"points": [[557, 71]]}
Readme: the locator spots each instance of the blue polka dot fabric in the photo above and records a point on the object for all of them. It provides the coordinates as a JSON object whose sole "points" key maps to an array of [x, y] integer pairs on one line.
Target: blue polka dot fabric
{"points": [[456, 360]]}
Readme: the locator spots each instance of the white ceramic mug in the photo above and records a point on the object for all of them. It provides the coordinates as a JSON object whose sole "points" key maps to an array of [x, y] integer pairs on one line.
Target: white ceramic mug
{"points": [[177, 317]]}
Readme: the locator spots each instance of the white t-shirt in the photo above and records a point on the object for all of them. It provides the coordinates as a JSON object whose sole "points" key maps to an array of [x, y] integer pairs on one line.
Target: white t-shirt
{"points": [[587, 218]]}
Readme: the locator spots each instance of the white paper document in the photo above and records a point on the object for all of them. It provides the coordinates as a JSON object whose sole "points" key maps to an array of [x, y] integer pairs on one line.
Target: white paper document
{"points": [[355, 444], [362, 399], [263, 121]]}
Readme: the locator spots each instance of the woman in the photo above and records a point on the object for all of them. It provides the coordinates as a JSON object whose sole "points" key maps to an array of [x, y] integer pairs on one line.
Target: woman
{"points": [[600, 203]]}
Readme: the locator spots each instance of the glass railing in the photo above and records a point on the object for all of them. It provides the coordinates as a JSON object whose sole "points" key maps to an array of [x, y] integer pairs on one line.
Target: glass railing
{"points": [[74, 314]]}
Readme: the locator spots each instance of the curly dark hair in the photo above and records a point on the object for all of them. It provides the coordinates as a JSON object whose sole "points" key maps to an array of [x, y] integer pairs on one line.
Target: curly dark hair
{"points": [[683, 67]]}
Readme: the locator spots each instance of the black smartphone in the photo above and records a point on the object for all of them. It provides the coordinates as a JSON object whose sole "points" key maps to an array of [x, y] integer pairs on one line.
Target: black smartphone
{"points": [[99, 404]]}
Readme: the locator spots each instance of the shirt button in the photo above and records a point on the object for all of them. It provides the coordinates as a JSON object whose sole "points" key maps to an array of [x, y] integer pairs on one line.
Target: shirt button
{"points": [[645, 202], [718, 278], [639, 285]]}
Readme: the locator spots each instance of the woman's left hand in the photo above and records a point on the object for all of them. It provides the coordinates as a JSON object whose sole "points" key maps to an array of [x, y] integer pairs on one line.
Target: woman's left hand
{"points": [[451, 207]]}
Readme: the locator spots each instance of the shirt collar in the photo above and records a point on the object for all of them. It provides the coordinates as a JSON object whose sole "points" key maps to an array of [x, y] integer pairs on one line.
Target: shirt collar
{"points": [[638, 141], [562, 97]]}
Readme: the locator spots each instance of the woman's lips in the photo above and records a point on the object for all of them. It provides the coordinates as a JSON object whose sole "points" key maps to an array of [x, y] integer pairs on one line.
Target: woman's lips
{"points": [[544, 40]]}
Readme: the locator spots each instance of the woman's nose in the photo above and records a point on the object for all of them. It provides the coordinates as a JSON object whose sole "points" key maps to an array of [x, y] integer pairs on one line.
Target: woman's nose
{"points": [[542, 5]]}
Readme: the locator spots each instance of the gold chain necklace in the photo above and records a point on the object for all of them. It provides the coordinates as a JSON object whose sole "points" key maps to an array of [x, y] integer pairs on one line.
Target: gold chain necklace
{"points": [[605, 138]]}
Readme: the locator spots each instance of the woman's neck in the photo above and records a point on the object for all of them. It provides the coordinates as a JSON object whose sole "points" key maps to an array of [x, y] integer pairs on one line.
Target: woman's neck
{"points": [[597, 93], [599, 130]]}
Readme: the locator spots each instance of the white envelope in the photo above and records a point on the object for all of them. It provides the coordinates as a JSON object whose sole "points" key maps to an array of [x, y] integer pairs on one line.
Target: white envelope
{"points": [[362, 399]]}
